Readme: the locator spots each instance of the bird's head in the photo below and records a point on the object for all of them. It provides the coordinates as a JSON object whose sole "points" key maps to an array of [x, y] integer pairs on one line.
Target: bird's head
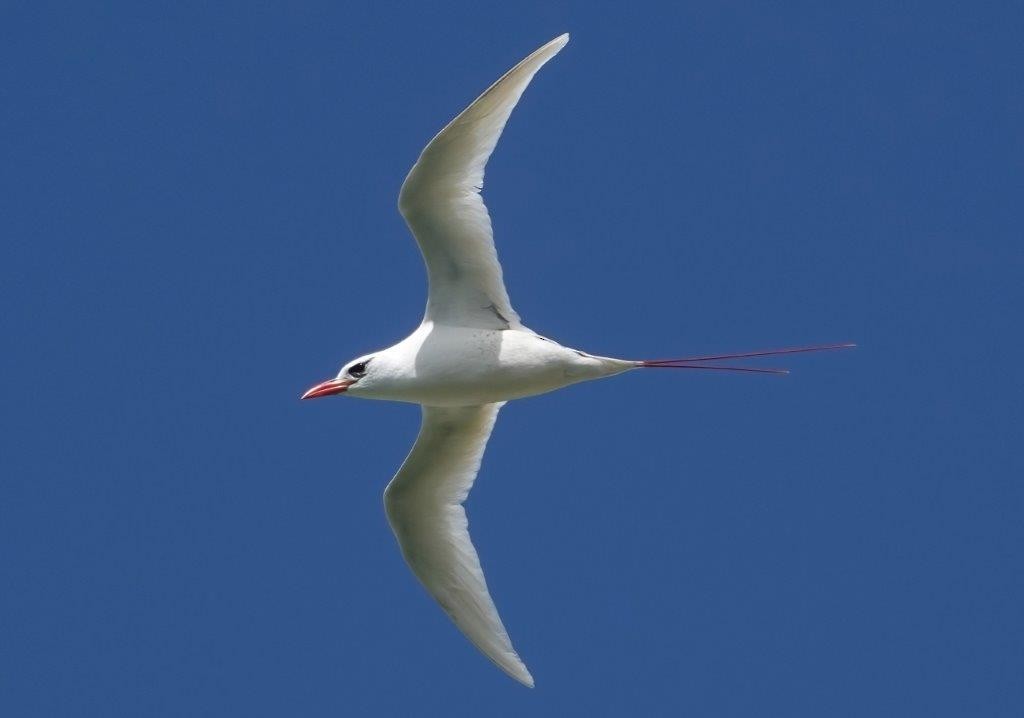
{"points": [[348, 379]]}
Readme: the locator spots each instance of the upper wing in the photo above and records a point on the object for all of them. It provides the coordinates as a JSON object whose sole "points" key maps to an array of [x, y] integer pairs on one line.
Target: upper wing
{"points": [[424, 507], [441, 203]]}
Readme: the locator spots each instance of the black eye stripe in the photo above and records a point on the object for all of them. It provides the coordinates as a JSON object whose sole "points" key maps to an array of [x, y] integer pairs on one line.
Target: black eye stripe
{"points": [[358, 370]]}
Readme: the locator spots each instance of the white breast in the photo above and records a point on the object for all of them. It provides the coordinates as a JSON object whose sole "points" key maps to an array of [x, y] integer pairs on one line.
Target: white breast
{"points": [[442, 365]]}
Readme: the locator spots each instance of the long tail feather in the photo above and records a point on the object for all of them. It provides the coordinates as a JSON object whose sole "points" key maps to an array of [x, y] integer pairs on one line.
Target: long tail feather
{"points": [[698, 361], [754, 370]]}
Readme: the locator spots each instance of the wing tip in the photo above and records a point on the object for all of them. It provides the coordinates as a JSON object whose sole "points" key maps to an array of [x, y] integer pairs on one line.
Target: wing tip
{"points": [[507, 660], [519, 672], [554, 46]]}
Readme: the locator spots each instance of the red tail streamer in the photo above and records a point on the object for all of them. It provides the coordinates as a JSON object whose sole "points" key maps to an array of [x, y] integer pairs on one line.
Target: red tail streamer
{"points": [[698, 362], [754, 370]]}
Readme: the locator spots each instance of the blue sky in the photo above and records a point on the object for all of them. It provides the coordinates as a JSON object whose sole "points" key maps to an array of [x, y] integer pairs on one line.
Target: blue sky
{"points": [[199, 223]]}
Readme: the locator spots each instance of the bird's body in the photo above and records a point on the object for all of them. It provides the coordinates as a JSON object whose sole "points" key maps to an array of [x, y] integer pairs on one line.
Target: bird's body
{"points": [[470, 354], [444, 365]]}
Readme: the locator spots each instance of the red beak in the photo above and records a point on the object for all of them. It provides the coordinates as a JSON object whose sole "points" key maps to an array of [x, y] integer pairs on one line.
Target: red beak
{"points": [[329, 387]]}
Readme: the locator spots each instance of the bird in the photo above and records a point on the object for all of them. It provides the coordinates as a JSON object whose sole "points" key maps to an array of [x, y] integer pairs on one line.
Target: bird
{"points": [[469, 356]]}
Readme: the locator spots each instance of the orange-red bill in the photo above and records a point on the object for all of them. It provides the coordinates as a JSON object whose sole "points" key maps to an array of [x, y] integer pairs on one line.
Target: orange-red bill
{"points": [[328, 388]]}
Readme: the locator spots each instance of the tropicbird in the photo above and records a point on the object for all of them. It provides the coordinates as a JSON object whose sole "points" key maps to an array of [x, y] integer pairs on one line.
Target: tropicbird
{"points": [[469, 356]]}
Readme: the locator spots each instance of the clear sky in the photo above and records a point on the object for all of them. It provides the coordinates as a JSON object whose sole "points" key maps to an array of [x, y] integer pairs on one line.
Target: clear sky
{"points": [[198, 223]]}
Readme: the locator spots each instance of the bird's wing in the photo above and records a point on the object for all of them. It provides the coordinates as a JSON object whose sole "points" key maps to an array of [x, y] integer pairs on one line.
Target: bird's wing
{"points": [[441, 203], [424, 507]]}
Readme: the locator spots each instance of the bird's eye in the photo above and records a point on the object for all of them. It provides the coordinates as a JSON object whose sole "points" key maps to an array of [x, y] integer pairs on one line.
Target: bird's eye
{"points": [[357, 370]]}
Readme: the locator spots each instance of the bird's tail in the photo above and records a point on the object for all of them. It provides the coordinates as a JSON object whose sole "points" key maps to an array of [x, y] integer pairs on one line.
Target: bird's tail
{"points": [[705, 362]]}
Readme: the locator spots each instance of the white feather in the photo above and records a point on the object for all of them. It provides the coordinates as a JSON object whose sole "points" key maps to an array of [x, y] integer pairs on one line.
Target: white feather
{"points": [[424, 508], [441, 202]]}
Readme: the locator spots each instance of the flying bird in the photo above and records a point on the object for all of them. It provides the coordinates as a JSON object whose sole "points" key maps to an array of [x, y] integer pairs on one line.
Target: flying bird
{"points": [[469, 356]]}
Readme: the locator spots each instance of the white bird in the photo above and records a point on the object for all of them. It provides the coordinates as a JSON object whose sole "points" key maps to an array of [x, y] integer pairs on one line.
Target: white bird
{"points": [[469, 356]]}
